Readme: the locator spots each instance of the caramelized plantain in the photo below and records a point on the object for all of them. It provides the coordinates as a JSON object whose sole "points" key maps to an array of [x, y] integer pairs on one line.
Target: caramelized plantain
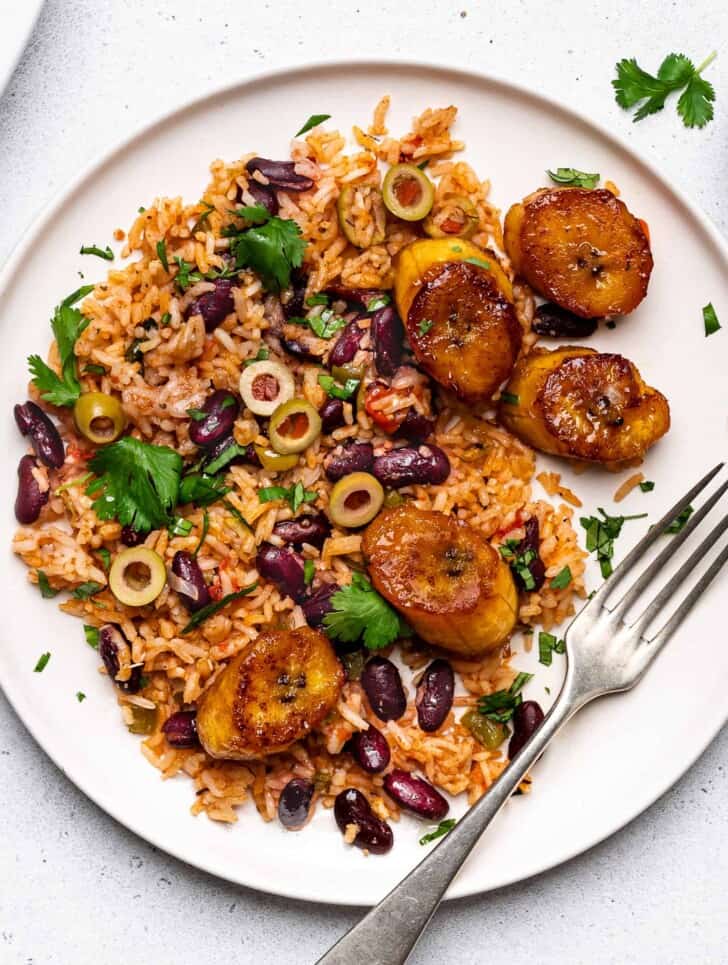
{"points": [[271, 694], [451, 586], [582, 404], [580, 248], [457, 305]]}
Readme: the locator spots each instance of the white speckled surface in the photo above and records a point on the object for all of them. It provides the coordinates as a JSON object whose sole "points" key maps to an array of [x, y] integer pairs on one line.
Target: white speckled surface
{"points": [[76, 887]]}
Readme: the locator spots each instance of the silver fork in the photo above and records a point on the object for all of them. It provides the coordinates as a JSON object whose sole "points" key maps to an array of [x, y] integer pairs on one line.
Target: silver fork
{"points": [[605, 655]]}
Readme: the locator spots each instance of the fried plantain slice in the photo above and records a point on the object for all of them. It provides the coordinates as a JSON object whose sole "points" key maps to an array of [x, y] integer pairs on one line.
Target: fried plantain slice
{"points": [[580, 248], [450, 584], [582, 404], [273, 693]]}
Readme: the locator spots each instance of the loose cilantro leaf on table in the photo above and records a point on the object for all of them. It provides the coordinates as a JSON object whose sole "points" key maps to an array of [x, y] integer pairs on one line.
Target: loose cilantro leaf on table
{"points": [[295, 495], [106, 253], [212, 608], [601, 534], [574, 178], [440, 831], [499, 706], [313, 121], [80, 696], [67, 323], [647, 486], [137, 484], [710, 320], [679, 522], [633, 86], [360, 612], [42, 662]]}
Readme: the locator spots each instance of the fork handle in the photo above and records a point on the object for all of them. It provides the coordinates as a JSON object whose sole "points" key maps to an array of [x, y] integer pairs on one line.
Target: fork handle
{"points": [[388, 933]]}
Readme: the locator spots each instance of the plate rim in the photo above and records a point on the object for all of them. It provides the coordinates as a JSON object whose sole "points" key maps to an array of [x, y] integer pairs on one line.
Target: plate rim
{"points": [[21, 705]]}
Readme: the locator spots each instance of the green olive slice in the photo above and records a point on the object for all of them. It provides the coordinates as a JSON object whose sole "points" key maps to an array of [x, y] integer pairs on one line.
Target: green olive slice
{"points": [[342, 373], [294, 426], [273, 461], [265, 385], [408, 192], [137, 576], [454, 217], [355, 500], [99, 417], [362, 215], [489, 733]]}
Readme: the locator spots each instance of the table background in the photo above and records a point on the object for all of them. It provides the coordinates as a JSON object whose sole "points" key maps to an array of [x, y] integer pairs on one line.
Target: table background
{"points": [[75, 887]]}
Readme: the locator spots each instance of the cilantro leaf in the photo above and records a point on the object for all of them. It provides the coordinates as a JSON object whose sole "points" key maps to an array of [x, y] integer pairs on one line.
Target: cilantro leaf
{"points": [[548, 645], [313, 121], [254, 213], [331, 387], [295, 495], [424, 326], [204, 532], [360, 612], [137, 484], [325, 325], [601, 534], [442, 828], [88, 589], [261, 355], [480, 262], [574, 178], [106, 253], [680, 520], [499, 706], [272, 250], [710, 320], [162, 254], [46, 590], [42, 662], [67, 323], [562, 579], [202, 490], [378, 301], [309, 569], [212, 608], [676, 72], [80, 696], [92, 636], [647, 486]]}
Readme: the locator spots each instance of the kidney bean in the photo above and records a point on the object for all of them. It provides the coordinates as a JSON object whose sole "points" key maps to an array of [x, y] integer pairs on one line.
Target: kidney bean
{"points": [[416, 426], [222, 409], [371, 750], [557, 322], [435, 695], [374, 835], [527, 718], [248, 455], [181, 729], [332, 415], [186, 567], [214, 306], [283, 567], [383, 686], [348, 457], [305, 347], [131, 536], [280, 174], [295, 803], [408, 466], [528, 549], [416, 794], [318, 604], [112, 644], [45, 438], [295, 307], [347, 344], [264, 196], [388, 338], [313, 530], [30, 500]]}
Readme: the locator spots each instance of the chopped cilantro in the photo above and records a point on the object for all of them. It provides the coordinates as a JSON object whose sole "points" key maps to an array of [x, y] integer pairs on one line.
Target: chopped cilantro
{"points": [[88, 589], [209, 208], [499, 706], [378, 301], [510, 398], [261, 356], [162, 254], [80, 696], [318, 299], [202, 490], [647, 486], [295, 495], [336, 391], [46, 590], [424, 326], [180, 527], [710, 320], [313, 121], [165, 320], [197, 415], [562, 579], [203, 533], [679, 522], [601, 534], [212, 608], [574, 178], [237, 514], [94, 370], [106, 253], [42, 662], [360, 612], [548, 645], [137, 484], [325, 325], [480, 262], [105, 557], [309, 568], [440, 831], [226, 456], [520, 561], [92, 636]]}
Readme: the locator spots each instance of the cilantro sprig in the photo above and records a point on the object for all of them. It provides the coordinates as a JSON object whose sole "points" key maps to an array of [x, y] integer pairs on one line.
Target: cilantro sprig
{"points": [[137, 483], [294, 495], [106, 253], [633, 86], [272, 248], [359, 612], [67, 323], [574, 178], [440, 831]]}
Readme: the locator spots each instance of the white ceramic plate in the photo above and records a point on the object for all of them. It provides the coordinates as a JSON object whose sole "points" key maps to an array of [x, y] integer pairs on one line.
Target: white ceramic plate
{"points": [[616, 757], [18, 20]]}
